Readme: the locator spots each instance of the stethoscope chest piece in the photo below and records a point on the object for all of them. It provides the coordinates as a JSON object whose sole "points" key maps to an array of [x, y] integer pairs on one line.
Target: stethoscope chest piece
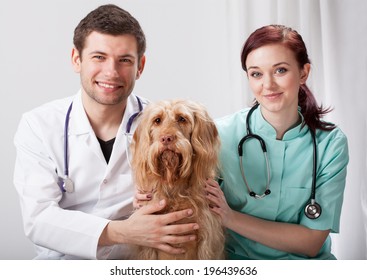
{"points": [[66, 185], [313, 210]]}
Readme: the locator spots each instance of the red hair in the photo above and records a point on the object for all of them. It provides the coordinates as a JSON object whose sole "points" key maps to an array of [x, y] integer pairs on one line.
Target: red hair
{"points": [[279, 34]]}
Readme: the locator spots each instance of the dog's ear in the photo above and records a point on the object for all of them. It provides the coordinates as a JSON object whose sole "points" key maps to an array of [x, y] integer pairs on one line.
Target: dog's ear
{"points": [[141, 136], [205, 142], [134, 146], [139, 147]]}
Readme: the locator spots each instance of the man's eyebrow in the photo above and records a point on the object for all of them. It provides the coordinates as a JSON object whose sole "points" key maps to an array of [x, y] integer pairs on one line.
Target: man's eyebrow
{"points": [[98, 52], [105, 54]]}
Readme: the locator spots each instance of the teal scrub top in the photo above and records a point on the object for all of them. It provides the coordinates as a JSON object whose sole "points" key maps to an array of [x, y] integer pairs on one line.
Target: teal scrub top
{"points": [[291, 165]]}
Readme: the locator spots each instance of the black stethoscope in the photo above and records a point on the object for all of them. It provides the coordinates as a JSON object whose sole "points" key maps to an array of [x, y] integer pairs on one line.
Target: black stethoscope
{"points": [[65, 183], [312, 209]]}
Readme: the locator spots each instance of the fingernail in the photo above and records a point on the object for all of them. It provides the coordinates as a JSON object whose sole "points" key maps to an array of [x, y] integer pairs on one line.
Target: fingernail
{"points": [[190, 212], [196, 227], [149, 196], [192, 238]]}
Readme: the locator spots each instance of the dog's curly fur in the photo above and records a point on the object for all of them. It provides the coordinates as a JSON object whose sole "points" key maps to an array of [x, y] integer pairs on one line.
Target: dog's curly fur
{"points": [[175, 150]]}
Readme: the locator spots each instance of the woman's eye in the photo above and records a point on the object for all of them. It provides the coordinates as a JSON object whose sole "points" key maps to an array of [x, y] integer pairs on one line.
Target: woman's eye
{"points": [[281, 70], [255, 74]]}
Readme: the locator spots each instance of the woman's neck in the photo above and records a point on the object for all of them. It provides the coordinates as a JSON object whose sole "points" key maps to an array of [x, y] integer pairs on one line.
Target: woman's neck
{"points": [[282, 122]]}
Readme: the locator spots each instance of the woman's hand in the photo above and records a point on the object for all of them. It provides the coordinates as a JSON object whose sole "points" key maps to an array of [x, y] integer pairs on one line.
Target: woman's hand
{"points": [[218, 203], [141, 198], [288, 237]]}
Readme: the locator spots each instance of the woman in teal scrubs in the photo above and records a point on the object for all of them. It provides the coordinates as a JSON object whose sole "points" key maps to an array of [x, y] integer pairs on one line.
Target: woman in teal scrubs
{"points": [[275, 226]]}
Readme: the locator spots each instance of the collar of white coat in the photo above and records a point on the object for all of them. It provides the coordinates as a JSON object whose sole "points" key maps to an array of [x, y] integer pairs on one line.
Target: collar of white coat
{"points": [[78, 120]]}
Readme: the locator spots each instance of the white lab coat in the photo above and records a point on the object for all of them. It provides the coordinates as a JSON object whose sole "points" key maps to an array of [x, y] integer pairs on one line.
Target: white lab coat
{"points": [[68, 225]]}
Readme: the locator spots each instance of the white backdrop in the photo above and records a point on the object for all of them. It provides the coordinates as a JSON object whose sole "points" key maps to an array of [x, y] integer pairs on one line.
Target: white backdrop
{"points": [[193, 52]]}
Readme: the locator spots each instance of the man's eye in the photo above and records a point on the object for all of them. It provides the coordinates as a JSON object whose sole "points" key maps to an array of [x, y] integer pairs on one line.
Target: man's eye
{"points": [[98, 57], [126, 60]]}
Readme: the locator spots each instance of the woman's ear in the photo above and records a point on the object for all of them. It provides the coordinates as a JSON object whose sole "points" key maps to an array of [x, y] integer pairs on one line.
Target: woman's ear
{"points": [[305, 71]]}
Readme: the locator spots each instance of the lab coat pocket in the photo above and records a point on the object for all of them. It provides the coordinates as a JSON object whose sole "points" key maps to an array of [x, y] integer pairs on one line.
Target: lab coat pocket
{"points": [[117, 189], [124, 194], [116, 196]]}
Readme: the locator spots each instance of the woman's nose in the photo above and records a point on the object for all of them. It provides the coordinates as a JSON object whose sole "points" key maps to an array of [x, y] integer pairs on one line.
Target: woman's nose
{"points": [[268, 81]]}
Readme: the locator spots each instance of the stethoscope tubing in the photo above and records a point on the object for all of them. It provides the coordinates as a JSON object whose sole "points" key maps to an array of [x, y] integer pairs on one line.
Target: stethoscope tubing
{"points": [[312, 209], [66, 138]]}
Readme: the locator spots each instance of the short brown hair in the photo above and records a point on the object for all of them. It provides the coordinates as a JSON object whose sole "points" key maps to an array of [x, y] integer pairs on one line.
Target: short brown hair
{"points": [[109, 19]]}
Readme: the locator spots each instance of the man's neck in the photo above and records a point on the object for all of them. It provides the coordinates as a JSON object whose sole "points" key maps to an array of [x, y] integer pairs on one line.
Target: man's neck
{"points": [[104, 119]]}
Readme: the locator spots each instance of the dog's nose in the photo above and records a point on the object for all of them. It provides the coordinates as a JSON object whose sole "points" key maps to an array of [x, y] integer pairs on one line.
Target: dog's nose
{"points": [[167, 139]]}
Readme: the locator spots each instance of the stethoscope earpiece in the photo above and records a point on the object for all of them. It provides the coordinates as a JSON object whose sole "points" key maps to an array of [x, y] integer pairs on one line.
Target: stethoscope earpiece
{"points": [[313, 210]]}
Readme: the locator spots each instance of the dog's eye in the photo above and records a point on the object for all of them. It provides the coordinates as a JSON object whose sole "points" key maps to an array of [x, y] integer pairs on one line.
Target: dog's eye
{"points": [[181, 119], [157, 121]]}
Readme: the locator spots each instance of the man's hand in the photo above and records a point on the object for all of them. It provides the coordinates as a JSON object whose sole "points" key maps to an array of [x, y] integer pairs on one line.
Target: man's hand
{"points": [[148, 229]]}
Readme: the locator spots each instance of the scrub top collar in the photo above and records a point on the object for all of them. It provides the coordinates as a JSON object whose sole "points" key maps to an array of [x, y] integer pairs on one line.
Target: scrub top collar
{"points": [[261, 126]]}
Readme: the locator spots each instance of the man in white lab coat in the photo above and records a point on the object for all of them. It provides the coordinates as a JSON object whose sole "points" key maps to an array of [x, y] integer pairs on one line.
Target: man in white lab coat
{"points": [[72, 169]]}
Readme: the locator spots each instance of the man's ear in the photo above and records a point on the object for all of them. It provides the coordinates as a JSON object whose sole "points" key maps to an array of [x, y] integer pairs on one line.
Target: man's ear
{"points": [[140, 67], [76, 60]]}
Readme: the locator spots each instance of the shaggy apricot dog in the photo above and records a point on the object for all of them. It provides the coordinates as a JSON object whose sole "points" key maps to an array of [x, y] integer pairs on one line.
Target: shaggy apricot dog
{"points": [[175, 150]]}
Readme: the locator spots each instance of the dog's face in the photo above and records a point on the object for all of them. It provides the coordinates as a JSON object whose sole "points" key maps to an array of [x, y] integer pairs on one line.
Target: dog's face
{"points": [[172, 139]]}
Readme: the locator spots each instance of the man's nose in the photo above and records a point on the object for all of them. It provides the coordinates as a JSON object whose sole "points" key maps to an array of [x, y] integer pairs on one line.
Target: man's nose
{"points": [[111, 69]]}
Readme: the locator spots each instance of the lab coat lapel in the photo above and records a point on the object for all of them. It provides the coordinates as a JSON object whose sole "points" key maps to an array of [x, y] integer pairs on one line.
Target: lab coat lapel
{"points": [[121, 152], [80, 127]]}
